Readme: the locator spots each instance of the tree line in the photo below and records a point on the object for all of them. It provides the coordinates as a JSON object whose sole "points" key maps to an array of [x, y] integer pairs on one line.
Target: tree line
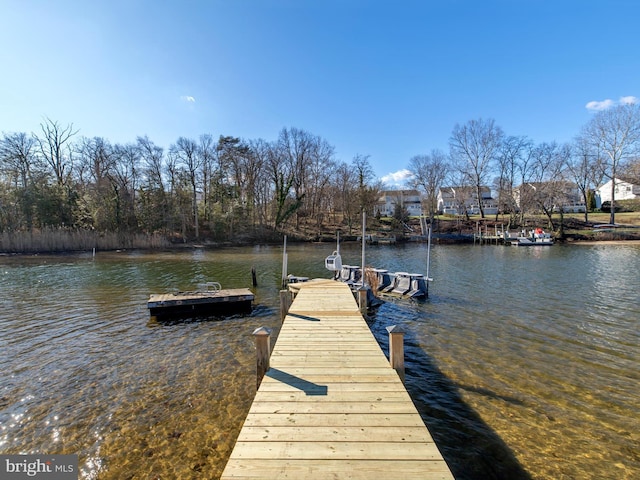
{"points": [[526, 177], [228, 188]]}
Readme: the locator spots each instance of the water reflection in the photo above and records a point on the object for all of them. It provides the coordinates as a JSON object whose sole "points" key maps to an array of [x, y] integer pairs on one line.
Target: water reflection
{"points": [[524, 361]]}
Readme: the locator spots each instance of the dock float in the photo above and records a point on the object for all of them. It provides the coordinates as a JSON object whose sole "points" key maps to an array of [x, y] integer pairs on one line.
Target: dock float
{"points": [[331, 405], [201, 302]]}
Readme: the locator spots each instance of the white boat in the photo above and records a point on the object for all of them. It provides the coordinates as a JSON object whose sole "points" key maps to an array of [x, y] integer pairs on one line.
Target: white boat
{"points": [[536, 237]]}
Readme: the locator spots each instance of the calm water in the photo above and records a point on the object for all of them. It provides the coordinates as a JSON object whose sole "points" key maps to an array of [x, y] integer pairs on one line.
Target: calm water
{"points": [[524, 361]]}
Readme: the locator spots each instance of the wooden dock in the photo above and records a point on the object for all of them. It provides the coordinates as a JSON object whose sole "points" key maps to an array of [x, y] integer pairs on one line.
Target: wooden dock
{"points": [[331, 406], [211, 302]]}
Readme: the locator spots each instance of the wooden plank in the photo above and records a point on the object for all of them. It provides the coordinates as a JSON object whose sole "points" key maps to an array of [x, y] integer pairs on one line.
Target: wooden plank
{"points": [[343, 349], [333, 433], [324, 378], [363, 361], [326, 314], [331, 406], [334, 407], [352, 469], [334, 420], [311, 449], [348, 372], [335, 388], [219, 296], [327, 394]]}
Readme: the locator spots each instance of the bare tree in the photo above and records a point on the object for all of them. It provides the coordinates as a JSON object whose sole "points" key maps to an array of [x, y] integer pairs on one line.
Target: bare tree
{"points": [[297, 146], [345, 189], [282, 176], [260, 186], [632, 170], [19, 164], [95, 170], [54, 147], [185, 153], [429, 172], [367, 190], [320, 173], [152, 197], [126, 177], [474, 147], [207, 152], [549, 191], [17, 157], [152, 156], [615, 134], [584, 168], [512, 154]]}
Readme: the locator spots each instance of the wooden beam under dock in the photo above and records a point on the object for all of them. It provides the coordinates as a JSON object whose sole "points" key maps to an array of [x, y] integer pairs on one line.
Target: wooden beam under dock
{"points": [[331, 405]]}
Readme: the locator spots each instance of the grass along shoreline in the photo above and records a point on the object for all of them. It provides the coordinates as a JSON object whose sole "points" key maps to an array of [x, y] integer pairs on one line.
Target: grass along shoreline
{"points": [[53, 240]]}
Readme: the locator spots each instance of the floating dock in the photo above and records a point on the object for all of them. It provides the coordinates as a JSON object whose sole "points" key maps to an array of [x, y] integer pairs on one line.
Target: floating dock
{"points": [[205, 302], [331, 405]]}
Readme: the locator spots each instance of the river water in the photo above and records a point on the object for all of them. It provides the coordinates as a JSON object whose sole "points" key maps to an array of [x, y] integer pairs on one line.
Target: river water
{"points": [[524, 362]]}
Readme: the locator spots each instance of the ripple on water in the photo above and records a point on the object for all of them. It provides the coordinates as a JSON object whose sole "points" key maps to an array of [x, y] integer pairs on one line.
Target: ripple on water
{"points": [[526, 357]]}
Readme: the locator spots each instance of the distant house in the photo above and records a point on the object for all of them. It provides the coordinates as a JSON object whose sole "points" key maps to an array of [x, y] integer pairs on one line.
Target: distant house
{"points": [[410, 200], [625, 189], [461, 200], [532, 196]]}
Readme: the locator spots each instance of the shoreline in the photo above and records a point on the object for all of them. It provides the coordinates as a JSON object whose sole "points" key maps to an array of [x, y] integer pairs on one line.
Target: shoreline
{"points": [[208, 246], [604, 242]]}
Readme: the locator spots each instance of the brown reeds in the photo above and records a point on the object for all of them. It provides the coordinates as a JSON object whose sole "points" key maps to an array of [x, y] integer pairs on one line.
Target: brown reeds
{"points": [[56, 240]]}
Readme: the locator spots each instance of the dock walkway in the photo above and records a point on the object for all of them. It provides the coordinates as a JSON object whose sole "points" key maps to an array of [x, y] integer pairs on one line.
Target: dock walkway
{"points": [[331, 406]]}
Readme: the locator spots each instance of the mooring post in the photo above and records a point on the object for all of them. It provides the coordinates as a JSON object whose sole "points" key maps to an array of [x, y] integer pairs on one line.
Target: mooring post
{"points": [[263, 352], [362, 299], [285, 303], [254, 280], [396, 349]]}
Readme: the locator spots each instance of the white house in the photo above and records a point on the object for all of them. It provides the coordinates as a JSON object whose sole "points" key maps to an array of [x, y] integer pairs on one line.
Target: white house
{"points": [[458, 200], [410, 200], [624, 190]]}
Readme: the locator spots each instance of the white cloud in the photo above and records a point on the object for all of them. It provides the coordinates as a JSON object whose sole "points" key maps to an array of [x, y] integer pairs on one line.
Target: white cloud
{"points": [[188, 99], [603, 105], [397, 179], [608, 103]]}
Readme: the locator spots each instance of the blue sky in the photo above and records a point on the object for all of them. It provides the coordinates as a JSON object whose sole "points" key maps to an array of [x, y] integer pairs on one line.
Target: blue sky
{"points": [[388, 79]]}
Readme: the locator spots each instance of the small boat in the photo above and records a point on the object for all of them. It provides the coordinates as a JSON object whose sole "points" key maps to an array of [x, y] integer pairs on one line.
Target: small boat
{"points": [[536, 237]]}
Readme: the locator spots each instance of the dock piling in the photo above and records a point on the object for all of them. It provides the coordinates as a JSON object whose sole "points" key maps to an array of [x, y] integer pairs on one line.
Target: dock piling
{"points": [[362, 299], [285, 303], [263, 352], [396, 349]]}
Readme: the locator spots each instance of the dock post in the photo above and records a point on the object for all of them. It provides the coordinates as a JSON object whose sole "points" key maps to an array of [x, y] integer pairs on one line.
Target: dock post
{"points": [[285, 303], [362, 298], [396, 349], [263, 352]]}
